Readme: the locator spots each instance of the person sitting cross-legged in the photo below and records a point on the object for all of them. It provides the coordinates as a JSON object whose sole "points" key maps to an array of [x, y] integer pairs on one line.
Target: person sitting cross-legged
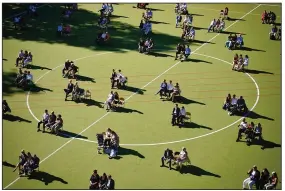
{"points": [[183, 157], [254, 175], [168, 155]]}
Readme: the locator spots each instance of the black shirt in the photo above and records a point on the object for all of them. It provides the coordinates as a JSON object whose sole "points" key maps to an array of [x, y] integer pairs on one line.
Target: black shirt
{"points": [[94, 178], [141, 43], [70, 86]]}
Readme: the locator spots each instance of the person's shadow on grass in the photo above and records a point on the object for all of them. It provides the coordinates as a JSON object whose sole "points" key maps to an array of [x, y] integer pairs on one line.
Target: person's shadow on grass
{"points": [[197, 171], [253, 115], [192, 125], [125, 151], [14, 118], [45, 177], [127, 110], [7, 164]]}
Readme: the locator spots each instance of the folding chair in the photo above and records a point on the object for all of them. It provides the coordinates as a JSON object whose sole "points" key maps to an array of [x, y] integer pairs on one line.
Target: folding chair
{"points": [[87, 94], [122, 100]]}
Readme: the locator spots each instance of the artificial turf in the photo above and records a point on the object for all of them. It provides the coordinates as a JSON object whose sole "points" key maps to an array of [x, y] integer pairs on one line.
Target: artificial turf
{"points": [[218, 162]]}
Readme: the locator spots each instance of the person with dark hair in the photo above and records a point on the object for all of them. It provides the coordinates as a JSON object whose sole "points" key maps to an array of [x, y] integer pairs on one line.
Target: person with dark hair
{"points": [[69, 89], [273, 180], [168, 155], [103, 181], [175, 115], [110, 183], [44, 121], [94, 181]]}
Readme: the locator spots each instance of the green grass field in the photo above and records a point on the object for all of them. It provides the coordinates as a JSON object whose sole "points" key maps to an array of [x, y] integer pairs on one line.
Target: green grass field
{"points": [[218, 161]]}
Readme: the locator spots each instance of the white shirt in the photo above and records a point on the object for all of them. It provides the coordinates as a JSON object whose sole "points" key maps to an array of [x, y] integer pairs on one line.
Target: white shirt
{"points": [[234, 101], [182, 111], [103, 35], [182, 155], [222, 23], [110, 97], [170, 86], [30, 77], [123, 79], [45, 116], [21, 54], [146, 43], [243, 125]]}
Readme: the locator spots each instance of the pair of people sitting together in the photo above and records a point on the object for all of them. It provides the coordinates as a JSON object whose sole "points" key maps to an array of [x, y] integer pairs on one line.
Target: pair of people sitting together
{"points": [[175, 158], [113, 101], [181, 8], [70, 69], [24, 58], [24, 79], [76, 92], [217, 25], [51, 122], [145, 46], [188, 33], [63, 30], [268, 18], [102, 37], [182, 52], [234, 42], [275, 33], [234, 105], [169, 90], [178, 115], [109, 141], [118, 80], [239, 63], [27, 163], [250, 130]]}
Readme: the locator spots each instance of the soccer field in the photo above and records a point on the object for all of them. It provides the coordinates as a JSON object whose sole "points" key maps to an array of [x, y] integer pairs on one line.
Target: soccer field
{"points": [[144, 123]]}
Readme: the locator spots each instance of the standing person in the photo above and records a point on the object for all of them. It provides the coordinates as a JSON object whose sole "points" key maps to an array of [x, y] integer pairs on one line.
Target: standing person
{"points": [[226, 12], [110, 183], [175, 114], [44, 121], [170, 88], [69, 89], [94, 181]]}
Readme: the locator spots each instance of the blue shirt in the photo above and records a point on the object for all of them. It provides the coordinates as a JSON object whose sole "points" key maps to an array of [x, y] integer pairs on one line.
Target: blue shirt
{"points": [[187, 50]]}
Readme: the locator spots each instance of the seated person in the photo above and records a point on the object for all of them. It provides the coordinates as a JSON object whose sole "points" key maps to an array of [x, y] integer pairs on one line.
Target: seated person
{"points": [[77, 92], [141, 25], [240, 42], [57, 125], [35, 162], [176, 8], [21, 80], [163, 89], [149, 14], [104, 37], [183, 157], [272, 17], [235, 62], [273, 180], [103, 22], [242, 128], [147, 28], [60, 29], [67, 30], [22, 160], [67, 66], [279, 33], [176, 92], [187, 52], [141, 46], [28, 59], [72, 70], [273, 33], [187, 21], [69, 89], [180, 50], [249, 133], [122, 82], [182, 115], [233, 106], [221, 26], [5, 107], [227, 102], [148, 45], [222, 14], [178, 19], [116, 100], [258, 131], [217, 26], [264, 17], [17, 20], [168, 155], [66, 13], [241, 105], [109, 101], [51, 120], [20, 57], [240, 63], [245, 62], [107, 137], [170, 88], [29, 78]]}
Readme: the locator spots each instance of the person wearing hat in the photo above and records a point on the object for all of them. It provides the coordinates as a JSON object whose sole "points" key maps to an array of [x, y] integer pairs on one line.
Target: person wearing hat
{"points": [[273, 180], [168, 155], [94, 181], [254, 176], [44, 121]]}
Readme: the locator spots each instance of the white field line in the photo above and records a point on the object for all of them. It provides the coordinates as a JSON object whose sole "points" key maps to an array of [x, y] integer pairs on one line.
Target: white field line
{"points": [[131, 96]]}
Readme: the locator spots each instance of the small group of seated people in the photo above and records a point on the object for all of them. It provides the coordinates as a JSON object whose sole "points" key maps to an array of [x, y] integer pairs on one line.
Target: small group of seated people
{"points": [[234, 105], [118, 80], [182, 52], [113, 101], [107, 9], [217, 25], [19, 22], [5, 107], [145, 46], [145, 27], [24, 79], [142, 5], [101, 183], [63, 30], [224, 13], [103, 22], [275, 33], [24, 58], [70, 69], [234, 42], [268, 18], [102, 37], [188, 33], [181, 8], [147, 15], [54, 123], [175, 158], [27, 163], [261, 180], [239, 63], [110, 143], [178, 115], [250, 130], [169, 90]]}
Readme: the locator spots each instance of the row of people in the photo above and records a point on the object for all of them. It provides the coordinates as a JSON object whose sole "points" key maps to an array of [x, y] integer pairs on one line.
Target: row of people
{"points": [[69, 69], [234, 105], [145, 46], [24, 58], [51, 122], [239, 63], [250, 130], [261, 180], [178, 115], [103, 182], [169, 90], [268, 17], [118, 79], [234, 41], [24, 79], [19, 20], [27, 163], [182, 51], [106, 10], [177, 158], [217, 25]]}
